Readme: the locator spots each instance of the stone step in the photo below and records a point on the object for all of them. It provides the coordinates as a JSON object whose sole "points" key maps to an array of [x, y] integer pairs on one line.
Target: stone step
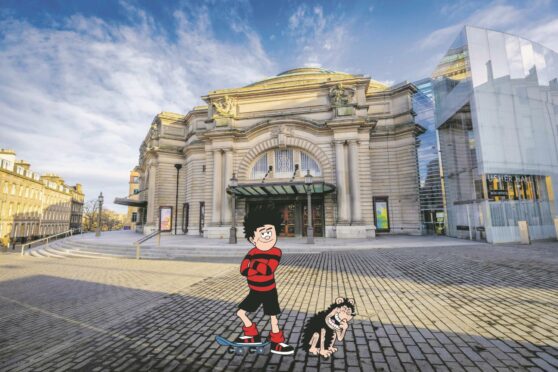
{"points": [[51, 252], [158, 250], [35, 253], [74, 248], [78, 253]]}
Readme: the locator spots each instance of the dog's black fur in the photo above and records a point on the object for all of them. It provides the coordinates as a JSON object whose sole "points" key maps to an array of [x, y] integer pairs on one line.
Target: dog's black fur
{"points": [[316, 323]]}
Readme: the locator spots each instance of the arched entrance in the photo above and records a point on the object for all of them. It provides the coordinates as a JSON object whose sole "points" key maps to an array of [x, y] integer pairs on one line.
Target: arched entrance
{"points": [[276, 180]]}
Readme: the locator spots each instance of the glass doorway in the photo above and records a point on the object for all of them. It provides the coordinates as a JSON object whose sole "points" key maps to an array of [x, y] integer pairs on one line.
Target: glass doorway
{"points": [[294, 213]]}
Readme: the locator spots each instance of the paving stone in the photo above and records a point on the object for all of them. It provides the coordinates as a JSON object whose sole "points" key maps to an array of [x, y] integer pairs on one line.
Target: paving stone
{"points": [[477, 308]]}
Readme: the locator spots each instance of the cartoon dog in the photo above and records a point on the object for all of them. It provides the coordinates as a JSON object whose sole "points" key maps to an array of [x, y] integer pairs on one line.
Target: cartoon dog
{"points": [[324, 328]]}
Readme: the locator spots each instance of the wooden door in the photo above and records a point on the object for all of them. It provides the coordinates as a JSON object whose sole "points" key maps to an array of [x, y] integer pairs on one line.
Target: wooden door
{"points": [[288, 214], [317, 218]]}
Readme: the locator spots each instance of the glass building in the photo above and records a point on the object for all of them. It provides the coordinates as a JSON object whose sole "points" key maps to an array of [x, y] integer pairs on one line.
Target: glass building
{"points": [[496, 113], [430, 187]]}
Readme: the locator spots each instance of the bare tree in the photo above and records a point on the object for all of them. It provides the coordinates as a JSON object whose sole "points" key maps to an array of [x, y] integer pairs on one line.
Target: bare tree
{"points": [[90, 215]]}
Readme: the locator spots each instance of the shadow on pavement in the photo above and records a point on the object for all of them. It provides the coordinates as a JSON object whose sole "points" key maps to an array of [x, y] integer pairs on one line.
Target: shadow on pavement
{"points": [[49, 323]]}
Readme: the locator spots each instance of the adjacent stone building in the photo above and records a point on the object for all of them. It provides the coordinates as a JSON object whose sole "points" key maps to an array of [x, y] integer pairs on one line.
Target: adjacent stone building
{"points": [[33, 206], [132, 216], [355, 136]]}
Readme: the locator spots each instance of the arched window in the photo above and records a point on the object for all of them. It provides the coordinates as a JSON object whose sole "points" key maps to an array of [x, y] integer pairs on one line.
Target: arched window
{"points": [[284, 162], [260, 168], [307, 163]]}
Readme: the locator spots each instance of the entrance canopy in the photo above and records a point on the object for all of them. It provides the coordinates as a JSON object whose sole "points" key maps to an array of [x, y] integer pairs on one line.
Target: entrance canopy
{"points": [[279, 189], [130, 202]]}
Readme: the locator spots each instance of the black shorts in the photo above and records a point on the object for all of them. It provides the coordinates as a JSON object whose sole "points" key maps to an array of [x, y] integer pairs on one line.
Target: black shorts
{"points": [[268, 299]]}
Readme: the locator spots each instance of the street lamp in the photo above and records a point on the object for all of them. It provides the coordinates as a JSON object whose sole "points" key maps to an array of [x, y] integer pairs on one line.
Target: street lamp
{"points": [[309, 230], [178, 167], [233, 184], [100, 200]]}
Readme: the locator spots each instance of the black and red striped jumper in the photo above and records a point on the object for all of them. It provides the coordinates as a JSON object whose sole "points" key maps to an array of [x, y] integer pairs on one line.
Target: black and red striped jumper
{"points": [[259, 268]]}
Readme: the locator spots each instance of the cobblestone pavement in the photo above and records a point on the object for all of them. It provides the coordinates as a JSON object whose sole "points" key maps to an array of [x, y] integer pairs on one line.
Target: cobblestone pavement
{"points": [[474, 308]]}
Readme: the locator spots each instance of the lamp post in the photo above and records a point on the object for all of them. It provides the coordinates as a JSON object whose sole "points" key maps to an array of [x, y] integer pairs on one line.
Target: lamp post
{"points": [[309, 229], [178, 168], [100, 200], [233, 184]]}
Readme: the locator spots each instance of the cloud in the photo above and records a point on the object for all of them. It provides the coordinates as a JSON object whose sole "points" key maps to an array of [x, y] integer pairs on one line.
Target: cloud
{"points": [[78, 99], [320, 39], [545, 33], [498, 15], [442, 36]]}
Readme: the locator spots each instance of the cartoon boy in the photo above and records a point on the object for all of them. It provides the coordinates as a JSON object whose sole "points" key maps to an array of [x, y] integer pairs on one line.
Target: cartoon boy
{"points": [[259, 265]]}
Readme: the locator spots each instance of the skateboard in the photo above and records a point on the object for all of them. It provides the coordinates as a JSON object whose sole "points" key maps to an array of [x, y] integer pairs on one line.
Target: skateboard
{"points": [[238, 349]]}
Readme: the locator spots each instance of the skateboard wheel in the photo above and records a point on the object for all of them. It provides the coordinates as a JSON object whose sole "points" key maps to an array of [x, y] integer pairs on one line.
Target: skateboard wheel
{"points": [[239, 351], [260, 350], [230, 350], [252, 350]]}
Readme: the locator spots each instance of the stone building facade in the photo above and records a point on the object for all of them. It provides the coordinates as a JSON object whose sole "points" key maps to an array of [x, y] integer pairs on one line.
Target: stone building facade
{"points": [[355, 136], [132, 216], [33, 206]]}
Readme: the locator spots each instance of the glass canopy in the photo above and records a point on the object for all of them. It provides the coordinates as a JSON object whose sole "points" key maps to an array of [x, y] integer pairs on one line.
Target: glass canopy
{"points": [[279, 189]]}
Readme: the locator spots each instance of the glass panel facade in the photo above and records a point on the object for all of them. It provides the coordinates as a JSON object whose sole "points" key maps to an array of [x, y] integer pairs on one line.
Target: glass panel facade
{"points": [[498, 129], [430, 191]]}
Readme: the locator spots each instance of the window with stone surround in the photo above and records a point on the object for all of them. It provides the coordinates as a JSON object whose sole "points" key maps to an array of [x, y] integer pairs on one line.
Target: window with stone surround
{"points": [[284, 162]]}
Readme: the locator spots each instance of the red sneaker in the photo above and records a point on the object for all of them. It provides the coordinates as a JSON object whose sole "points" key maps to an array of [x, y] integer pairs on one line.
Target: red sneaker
{"points": [[281, 348]]}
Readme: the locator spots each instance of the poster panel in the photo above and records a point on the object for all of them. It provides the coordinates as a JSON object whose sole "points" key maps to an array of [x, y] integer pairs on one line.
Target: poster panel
{"points": [[165, 219], [381, 214]]}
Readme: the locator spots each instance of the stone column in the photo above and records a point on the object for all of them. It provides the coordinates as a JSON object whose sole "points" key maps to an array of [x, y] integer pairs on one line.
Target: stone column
{"points": [[356, 210], [152, 209], [340, 173], [227, 213], [217, 188]]}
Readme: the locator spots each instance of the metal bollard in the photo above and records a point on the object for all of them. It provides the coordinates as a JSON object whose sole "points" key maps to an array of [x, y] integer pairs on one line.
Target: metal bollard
{"points": [[137, 251]]}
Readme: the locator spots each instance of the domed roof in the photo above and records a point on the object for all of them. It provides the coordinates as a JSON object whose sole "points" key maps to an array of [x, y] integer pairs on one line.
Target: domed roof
{"points": [[308, 75]]}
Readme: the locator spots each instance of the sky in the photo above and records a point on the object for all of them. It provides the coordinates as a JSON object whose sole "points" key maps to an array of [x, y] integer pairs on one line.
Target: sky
{"points": [[81, 81]]}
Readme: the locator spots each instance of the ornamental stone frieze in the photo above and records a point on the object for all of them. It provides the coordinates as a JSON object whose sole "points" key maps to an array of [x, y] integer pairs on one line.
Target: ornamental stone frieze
{"points": [[281, 133], [224, 110], [342, 100], [154, 131]]}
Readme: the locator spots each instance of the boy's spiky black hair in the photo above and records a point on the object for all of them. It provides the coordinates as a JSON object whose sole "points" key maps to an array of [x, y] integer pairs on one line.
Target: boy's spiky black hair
{"points": [[258, 217]]}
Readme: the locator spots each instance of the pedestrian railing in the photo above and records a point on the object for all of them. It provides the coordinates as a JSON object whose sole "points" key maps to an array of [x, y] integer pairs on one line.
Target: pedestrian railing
{"points": [[64, 234], [139, 242]]}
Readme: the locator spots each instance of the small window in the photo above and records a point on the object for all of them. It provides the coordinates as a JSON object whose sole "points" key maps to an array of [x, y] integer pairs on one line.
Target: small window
{"points": [[134, 216], [260, 168], [310, 164]]}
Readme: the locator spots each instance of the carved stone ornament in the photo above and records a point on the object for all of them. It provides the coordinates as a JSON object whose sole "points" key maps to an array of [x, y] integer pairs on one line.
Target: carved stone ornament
{"points": [[224, 107], [282, 129], [340, 96], [281, 133], [154, 132]]}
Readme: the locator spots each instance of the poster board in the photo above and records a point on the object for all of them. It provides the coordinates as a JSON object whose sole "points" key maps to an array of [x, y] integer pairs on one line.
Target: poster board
{"points": [[381, 214], [165, 219]]}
